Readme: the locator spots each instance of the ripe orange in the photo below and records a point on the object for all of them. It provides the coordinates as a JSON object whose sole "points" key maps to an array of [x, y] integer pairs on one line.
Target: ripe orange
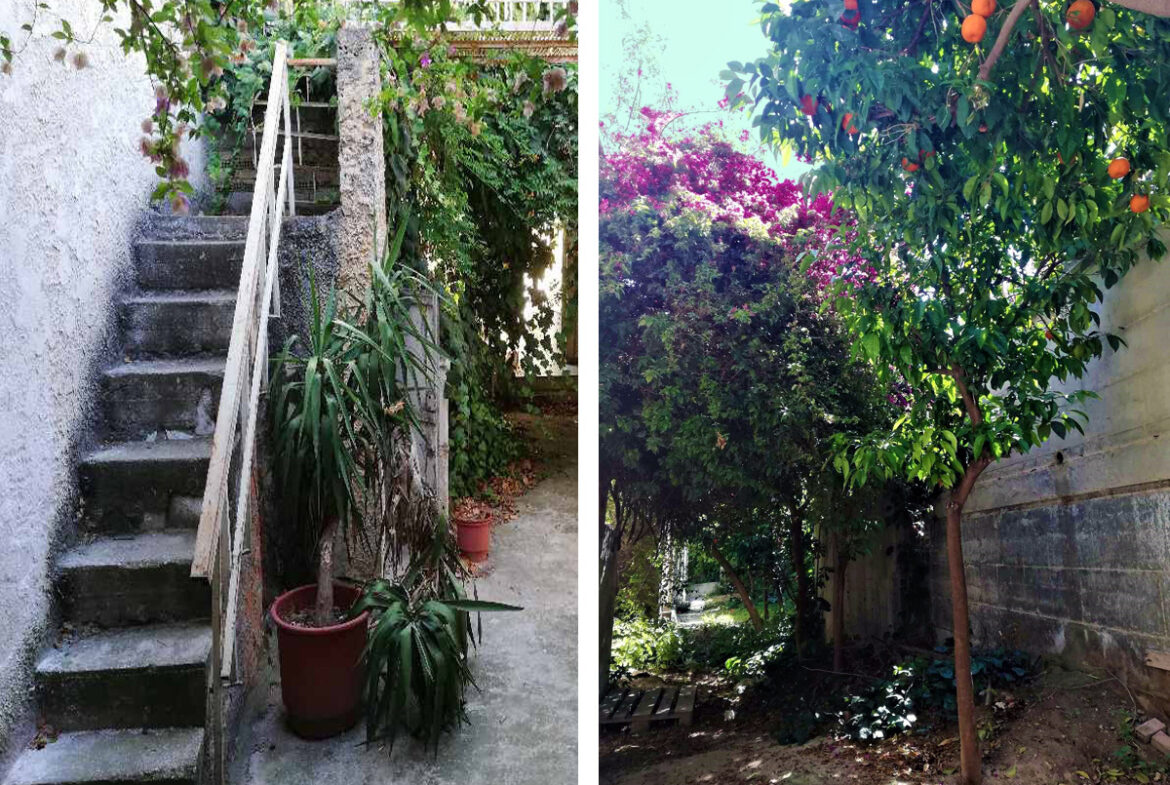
{"points": [[808, 105], [850, 5], [1139, 203], [1118, 168], [984, 8], [1080, 14], [909, 165], [847, 123], [975, 27]]}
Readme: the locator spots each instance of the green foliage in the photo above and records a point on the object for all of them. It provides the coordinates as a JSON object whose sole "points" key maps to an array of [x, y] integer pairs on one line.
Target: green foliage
{"points": [[714, 353], [986, 262], [701, 565], [734, 649], [416, 655], [637, 596], [482, 441], [487, 155], [898, 704]]}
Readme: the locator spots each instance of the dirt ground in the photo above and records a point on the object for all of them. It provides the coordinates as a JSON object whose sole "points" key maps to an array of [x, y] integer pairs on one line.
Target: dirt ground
{"points": [[1063, 727]]}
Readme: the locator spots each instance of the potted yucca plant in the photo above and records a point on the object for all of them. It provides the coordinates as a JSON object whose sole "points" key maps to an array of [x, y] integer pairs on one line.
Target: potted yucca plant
{"points": [[340, 408]]}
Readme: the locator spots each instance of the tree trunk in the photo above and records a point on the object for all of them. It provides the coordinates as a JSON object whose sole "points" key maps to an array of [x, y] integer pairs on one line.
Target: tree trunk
{"points": [[796, 547], [839, 604], [611, 543], [607, 601], [324, 608], [740, 589], [971, 772]]}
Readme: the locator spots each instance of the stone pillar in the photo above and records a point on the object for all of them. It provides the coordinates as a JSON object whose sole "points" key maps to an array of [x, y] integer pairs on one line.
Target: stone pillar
{"points": [[361, 161]]}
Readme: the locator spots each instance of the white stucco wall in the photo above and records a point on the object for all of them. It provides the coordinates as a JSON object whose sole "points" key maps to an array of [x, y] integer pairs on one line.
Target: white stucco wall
{"points": [[72, 187]]}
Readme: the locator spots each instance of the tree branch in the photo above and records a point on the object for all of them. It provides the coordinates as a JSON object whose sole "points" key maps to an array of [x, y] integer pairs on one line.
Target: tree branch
{"points": [[969, 402], [1005, 33], [910, 47]]}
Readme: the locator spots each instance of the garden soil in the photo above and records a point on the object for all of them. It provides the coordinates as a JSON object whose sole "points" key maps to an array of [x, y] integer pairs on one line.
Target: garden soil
{"points": [[1064, 727]]}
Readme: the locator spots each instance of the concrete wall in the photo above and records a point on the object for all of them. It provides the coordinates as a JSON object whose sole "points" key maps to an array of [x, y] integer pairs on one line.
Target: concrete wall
{"points": [[1068, 547], [72, 186]]}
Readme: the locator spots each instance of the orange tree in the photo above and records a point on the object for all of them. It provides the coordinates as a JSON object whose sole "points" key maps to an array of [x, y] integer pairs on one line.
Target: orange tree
{"points": [[1006, 166]]}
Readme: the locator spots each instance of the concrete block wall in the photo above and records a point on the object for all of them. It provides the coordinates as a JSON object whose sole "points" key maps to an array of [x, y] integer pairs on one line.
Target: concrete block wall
{"points": [[73, 185], [1068, 547]]}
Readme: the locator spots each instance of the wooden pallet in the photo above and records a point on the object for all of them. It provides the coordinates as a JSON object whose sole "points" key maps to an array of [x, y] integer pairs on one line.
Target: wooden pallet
{"points": [[639, 708]]}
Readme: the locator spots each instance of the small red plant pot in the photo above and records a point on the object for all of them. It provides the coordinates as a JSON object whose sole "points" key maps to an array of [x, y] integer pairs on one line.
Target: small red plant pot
{"points": [[474, 536], [320, 667]]}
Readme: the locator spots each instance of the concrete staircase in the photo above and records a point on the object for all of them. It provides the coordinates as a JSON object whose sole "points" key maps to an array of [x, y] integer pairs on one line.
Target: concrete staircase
{"points": [[125, 684]]}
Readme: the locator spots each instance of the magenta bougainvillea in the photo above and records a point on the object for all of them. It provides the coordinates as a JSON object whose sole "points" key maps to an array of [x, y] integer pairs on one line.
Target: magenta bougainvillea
{"points": [[701, 170]]}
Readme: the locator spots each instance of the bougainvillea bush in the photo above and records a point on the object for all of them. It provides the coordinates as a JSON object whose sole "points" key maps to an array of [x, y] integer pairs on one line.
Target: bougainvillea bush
{"points": [[722, 379]]}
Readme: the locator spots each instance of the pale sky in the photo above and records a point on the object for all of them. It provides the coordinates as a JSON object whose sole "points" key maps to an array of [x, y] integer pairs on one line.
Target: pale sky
{"points": [[694, 40]]}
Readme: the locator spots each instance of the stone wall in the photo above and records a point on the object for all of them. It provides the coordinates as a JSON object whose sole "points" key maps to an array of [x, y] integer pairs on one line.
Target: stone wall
{"points": [[1068, 547], [72, 187]]}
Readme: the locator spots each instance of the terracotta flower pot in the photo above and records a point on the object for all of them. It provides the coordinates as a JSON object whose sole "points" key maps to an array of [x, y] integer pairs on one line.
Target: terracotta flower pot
{"points": [[474, 536], [320, 667]]}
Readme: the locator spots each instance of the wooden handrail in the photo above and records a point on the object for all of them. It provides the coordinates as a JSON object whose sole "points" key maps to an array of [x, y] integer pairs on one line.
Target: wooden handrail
{"points": [[219, 543], [244, 319]]}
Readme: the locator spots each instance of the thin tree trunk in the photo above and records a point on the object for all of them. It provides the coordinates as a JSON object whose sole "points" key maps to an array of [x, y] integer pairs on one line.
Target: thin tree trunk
{"points": [[796, 547], [740, 589], [324, 607], [839, 605], [607, 602], [970, 768], [611, 541]]}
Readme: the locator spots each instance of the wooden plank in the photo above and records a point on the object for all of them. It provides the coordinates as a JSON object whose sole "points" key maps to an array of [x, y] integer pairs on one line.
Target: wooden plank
{"points": [[610, 702], [640, 720], [666, 705], [1158, 659], [685, 708], [627, 706]]}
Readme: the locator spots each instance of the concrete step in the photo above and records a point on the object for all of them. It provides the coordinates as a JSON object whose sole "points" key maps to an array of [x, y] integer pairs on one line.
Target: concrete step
{"points": [[129, 485], [178, 323], [163, 756], [193, 227], [133, 677], [188, 264], [151, 396], [138, 579]]}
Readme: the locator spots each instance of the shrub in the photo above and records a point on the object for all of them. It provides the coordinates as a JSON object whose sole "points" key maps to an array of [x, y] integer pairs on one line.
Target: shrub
{"points": [[736, 650], [922, 683]]}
